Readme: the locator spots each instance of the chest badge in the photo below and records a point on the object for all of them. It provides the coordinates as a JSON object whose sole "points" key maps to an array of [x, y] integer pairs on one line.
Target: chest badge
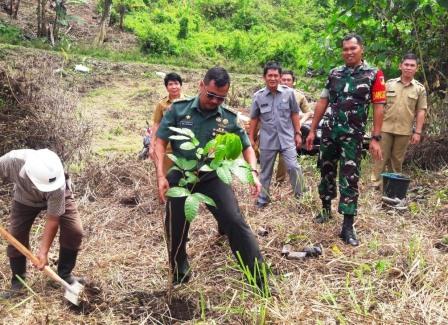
{"points": [[225, 121], [188, 117]]}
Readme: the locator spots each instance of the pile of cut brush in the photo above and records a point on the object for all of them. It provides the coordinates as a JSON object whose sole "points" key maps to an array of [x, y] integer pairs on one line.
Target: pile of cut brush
{"points": [[38, 109], [430, 154]]}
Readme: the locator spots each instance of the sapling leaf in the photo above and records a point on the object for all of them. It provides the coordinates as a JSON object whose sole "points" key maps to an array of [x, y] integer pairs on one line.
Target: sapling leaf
{"points": [[206, 168], [187, 146], [205, 199], [224, 174], [177, 192], [242, 171], [185, 164], [172, 157], [183, 131], [174, 167], [210, 147], [191, 207], [178, 137], [191, 178]]}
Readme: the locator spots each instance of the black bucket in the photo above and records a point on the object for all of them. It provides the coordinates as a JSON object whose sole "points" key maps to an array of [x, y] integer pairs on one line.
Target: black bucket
{"points": [[395, 185]]}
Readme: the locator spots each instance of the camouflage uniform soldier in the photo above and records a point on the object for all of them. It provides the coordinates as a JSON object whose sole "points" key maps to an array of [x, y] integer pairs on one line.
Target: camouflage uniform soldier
{"points": [[348, 93]]}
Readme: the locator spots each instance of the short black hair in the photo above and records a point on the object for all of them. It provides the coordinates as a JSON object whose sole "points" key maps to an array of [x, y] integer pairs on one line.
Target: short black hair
{"points": [[172, 76], [349, 36], [272, 65], [291, 73], [219, 75], [409, 56]]}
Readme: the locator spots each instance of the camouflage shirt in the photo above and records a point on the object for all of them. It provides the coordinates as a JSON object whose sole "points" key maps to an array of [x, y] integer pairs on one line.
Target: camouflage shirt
{"points": [[350, 92]]}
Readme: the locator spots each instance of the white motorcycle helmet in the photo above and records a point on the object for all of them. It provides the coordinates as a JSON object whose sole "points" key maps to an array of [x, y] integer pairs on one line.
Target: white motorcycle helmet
{"points": [[44, 169]]}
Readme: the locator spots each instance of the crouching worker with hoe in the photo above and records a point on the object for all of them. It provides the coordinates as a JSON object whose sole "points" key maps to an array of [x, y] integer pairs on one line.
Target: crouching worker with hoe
{"points": [[206, 117], [40, 184]]}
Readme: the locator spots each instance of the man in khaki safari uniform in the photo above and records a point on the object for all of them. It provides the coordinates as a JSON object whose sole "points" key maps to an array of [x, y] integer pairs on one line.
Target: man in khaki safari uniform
{"points": [[173, 85], [406, 103]]}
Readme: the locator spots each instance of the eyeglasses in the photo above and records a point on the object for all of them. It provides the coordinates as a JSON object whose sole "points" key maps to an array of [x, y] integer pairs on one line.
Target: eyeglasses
{"points": [[212, 95]]}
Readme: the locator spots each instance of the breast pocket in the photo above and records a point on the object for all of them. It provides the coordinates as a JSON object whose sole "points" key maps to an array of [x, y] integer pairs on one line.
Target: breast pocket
{"points": [[284, 110], [266, 113], [391, 98], [412, 99]]}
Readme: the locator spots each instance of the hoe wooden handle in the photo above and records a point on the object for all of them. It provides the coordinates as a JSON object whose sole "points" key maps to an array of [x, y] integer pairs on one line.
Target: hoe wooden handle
{"points": [[25, 251]]}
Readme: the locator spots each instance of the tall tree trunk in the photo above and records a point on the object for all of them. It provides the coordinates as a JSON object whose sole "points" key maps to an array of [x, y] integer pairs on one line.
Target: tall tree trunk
{"points": [[41, 18], [99, 39], [16, 9]]}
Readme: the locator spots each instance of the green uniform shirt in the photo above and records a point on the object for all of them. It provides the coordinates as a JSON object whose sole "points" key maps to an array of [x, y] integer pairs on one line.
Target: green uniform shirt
{"points": [[206, 125]]}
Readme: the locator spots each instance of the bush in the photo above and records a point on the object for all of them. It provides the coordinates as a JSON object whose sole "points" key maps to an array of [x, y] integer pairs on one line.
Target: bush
{"points": [[155, 42], [183, 28], [218, 9], [244, 19], [9, 34]]}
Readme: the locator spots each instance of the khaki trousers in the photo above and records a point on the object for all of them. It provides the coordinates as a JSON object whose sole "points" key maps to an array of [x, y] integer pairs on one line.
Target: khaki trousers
{"points": [[393, 147]]}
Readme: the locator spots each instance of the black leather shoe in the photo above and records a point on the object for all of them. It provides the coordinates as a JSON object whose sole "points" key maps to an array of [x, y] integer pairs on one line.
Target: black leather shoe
{"points": [[349, 237], [323, 216]]}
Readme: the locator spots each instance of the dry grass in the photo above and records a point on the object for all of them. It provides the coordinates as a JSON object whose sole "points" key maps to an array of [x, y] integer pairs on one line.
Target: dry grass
{"points": [[396, 276]]}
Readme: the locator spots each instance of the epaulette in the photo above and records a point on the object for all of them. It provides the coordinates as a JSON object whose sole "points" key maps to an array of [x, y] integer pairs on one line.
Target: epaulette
{"points": [[392, 80], [186, 99], [418, 83], [259, 91], [231, 110]]}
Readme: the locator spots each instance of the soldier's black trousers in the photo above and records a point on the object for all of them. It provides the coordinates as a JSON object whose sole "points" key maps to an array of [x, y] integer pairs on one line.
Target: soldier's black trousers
{"points": [[227, 213]]}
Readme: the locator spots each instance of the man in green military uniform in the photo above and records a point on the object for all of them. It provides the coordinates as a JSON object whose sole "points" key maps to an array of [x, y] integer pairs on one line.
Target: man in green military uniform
{"points": [[206, 117], [406, 103], [348, 92]]}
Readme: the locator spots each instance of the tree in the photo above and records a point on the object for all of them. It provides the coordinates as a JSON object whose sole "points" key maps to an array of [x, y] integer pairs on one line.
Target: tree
{"points": [[391, 29], [107, 6], [41, 18], [14, 8]]}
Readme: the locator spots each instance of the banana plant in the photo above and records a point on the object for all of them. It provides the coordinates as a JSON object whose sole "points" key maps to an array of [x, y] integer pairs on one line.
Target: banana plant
{"points": [[221, 155]]}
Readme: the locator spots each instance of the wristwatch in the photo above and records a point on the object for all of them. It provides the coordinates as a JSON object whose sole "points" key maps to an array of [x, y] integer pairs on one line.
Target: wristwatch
{"points": [[376, 137]]}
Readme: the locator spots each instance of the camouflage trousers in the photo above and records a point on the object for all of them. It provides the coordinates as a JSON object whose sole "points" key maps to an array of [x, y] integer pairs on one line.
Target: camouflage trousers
{"points": [[347, 150]]}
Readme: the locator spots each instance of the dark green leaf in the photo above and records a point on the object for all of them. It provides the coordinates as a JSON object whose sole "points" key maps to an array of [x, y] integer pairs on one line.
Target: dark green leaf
{"points": [[204, 198], [191, 207], [177, 192], [185, 164]]}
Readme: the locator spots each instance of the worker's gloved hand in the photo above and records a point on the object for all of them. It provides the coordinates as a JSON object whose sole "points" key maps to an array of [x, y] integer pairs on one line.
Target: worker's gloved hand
{"points": [[43, 260]]}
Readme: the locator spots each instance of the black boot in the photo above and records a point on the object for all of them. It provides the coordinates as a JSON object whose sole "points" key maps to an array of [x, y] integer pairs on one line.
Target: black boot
{"points": [[348, 233], [18, 268], [325, 214], [66, 264]]}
